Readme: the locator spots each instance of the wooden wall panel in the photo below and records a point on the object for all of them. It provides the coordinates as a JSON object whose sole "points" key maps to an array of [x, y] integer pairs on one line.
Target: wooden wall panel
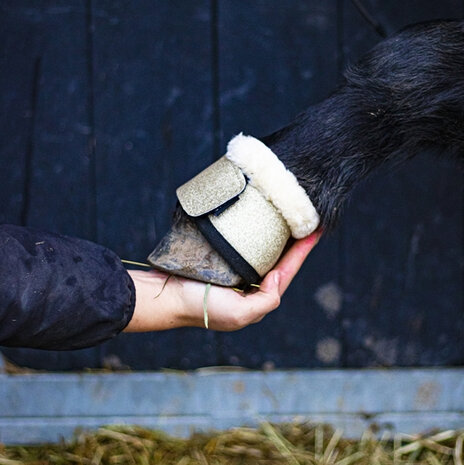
{"points": [[275, 59], [19, 77], [61, 175], [108, 106], [46, 165], [153, 120], [403, 256]]}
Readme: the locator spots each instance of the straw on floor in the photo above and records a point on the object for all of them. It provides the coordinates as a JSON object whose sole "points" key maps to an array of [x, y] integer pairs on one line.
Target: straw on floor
{"points": [[293, 444]]}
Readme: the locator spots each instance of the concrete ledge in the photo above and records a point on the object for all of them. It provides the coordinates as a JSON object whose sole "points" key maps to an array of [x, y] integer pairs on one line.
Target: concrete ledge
{"points": [[46, 407]]}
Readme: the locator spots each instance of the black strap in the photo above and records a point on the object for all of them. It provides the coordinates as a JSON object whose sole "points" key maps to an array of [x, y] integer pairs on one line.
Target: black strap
{"points": [[228, 253]]}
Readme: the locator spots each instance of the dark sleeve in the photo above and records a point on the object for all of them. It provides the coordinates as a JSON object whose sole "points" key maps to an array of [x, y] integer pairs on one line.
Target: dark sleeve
{"points": [[59, 292]]}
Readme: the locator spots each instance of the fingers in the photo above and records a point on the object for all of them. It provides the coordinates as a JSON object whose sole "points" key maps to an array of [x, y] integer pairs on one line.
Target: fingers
{"points": [[229, 310], [277, 281], [291, 262], [265, 300]]}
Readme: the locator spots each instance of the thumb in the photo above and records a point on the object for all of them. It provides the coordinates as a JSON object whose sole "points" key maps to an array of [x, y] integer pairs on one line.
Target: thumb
{"points": [[271, 282], [268, 296]]}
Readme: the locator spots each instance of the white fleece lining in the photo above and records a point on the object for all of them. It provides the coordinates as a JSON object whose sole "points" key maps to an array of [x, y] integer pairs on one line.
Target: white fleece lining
{"points": [[278, 185]]}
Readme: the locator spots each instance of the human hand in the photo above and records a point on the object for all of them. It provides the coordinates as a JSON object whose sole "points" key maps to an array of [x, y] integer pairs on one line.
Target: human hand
{"points": [[164, 302]]}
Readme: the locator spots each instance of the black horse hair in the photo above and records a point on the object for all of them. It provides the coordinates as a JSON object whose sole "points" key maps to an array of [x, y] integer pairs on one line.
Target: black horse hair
{"points": [[404, 97]]}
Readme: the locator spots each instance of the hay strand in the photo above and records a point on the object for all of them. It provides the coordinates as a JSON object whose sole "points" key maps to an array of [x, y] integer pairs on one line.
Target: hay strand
{"points": [[458, 450], [205, 305], [162, 288], [131, 262]]}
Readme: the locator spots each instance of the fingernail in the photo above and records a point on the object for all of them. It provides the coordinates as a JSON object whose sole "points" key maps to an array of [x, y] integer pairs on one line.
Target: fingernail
{"points": [[277, 277]]}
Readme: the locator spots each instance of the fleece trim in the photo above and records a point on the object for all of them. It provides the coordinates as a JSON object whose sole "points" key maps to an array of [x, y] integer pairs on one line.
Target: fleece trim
{"points": [[279, 185]]}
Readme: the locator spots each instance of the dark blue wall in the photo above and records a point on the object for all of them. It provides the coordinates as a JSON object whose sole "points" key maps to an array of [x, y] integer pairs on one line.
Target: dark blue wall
{"points": [[107, 106]]}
